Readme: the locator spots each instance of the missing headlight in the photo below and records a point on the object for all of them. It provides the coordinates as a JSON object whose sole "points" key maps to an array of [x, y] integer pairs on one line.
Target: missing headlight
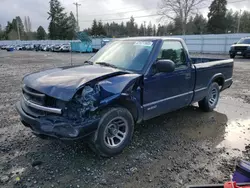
{"points": [[89, 97]]}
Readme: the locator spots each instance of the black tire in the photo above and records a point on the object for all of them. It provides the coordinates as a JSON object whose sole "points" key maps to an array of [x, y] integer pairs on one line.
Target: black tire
{"points": [[205, 104], [98, 141], [232, 56]]}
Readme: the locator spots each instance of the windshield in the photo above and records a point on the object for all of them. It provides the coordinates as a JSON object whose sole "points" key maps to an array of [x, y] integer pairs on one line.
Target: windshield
{"points": [[128, 55], [244, 41]]}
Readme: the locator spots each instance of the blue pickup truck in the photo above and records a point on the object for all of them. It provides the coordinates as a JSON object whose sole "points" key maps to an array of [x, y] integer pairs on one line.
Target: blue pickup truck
{"points": [[128, 81]]}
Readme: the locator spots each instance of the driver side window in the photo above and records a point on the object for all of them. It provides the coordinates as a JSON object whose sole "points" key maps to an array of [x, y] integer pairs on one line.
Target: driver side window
{"points": [[173, 50]]}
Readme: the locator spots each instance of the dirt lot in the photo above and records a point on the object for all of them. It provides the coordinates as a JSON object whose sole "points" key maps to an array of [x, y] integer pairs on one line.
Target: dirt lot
{"points": [[180, 148]]}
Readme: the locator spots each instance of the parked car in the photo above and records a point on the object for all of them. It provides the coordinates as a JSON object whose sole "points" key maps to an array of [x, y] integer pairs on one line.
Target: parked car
{"points": [[18, 47], [23, 46], [3, 47], [65, 48], [10, 48], [240, 48], [57, 48], [37, 47], [26, 47], [43, 47], [50, 48], [126, 82], [31, 47], [46, 48]]}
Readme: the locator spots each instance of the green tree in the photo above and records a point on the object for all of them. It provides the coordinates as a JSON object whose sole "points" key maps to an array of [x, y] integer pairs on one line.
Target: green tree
{"points": [[20, 26], [154, 30], [159, 30], [149, 29], [141, 30], [72, 27], [17, 26], [190, 26], [231, 22], [172, 28], [217, 17], [122, 30], [131, 27], [41, 33], [1, 33], [136, 30], [58, 21], [244, 22], [8, 29], [94, 29], [100, 29], [176, 27], [199, 24]]}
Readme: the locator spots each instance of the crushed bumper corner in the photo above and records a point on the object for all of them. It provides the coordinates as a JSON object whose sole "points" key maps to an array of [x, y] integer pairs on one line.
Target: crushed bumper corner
{"points": [[60, 128]]}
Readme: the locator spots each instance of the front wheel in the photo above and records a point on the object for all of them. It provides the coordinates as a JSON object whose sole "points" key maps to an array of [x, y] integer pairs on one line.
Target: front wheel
{"points": [[114, 132], [209, 103]]}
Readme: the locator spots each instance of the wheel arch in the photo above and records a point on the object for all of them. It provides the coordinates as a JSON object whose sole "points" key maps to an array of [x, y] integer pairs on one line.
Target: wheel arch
{"points": [[128, 102], [218, 78]]}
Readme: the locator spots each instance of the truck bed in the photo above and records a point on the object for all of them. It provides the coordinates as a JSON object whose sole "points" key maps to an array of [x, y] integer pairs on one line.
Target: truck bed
{"points": [[196, 60], [208, 70]]}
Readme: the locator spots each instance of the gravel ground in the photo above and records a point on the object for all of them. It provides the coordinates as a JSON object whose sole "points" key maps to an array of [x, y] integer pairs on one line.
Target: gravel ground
{"points": [[184, 147]]}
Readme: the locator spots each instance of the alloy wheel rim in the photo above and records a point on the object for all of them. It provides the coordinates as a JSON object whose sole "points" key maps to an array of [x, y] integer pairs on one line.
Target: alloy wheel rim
{"points": [[213, 97], [115, 132]]}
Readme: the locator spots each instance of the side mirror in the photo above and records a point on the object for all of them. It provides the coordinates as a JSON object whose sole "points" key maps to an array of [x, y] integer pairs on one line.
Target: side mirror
{"points": [[165, 66], [235, 42]]}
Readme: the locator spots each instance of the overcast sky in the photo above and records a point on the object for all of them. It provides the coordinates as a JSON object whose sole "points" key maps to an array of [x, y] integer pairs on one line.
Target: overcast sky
{"points": [[90, 9]]}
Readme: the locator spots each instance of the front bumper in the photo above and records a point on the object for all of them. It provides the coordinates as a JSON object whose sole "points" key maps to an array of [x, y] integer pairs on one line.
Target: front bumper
{"points": [[57, 126], [245, 53]]}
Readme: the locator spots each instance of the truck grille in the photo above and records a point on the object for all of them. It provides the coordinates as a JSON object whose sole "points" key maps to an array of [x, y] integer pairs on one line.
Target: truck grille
{"points": [[31, 111], [37, 104], [240, 48], [34, 96]]}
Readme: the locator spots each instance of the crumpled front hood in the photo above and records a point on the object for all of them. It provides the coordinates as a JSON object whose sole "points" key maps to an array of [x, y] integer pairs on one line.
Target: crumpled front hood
{"points": [[62, 83]]}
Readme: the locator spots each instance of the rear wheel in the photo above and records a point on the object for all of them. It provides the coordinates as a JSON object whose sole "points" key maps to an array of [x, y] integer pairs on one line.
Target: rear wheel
{"points": [[211, 100], [114, 132]]}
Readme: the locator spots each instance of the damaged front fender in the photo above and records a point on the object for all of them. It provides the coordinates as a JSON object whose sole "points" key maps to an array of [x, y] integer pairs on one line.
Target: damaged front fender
{"points": [[122, 90]]}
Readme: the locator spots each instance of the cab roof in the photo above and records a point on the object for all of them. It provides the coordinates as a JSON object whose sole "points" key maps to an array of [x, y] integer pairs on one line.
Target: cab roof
{"points": [[151, 38]]}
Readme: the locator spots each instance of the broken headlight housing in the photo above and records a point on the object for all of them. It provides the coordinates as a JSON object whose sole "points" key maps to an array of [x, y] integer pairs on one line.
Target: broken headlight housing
{"points": [[89, 96], [83, 103]]}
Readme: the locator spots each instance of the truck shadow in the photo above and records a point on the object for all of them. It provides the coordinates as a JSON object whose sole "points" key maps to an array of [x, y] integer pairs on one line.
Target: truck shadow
{"points": [[157, 138], [192, 122]]}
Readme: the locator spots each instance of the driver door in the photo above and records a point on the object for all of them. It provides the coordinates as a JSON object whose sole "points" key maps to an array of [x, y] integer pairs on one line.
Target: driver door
{"points": [[165, 92]]}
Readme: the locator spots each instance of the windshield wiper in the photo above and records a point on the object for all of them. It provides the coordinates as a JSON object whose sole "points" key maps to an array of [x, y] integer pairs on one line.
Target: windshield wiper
{"points": [[106, 64], [88, 62]]}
